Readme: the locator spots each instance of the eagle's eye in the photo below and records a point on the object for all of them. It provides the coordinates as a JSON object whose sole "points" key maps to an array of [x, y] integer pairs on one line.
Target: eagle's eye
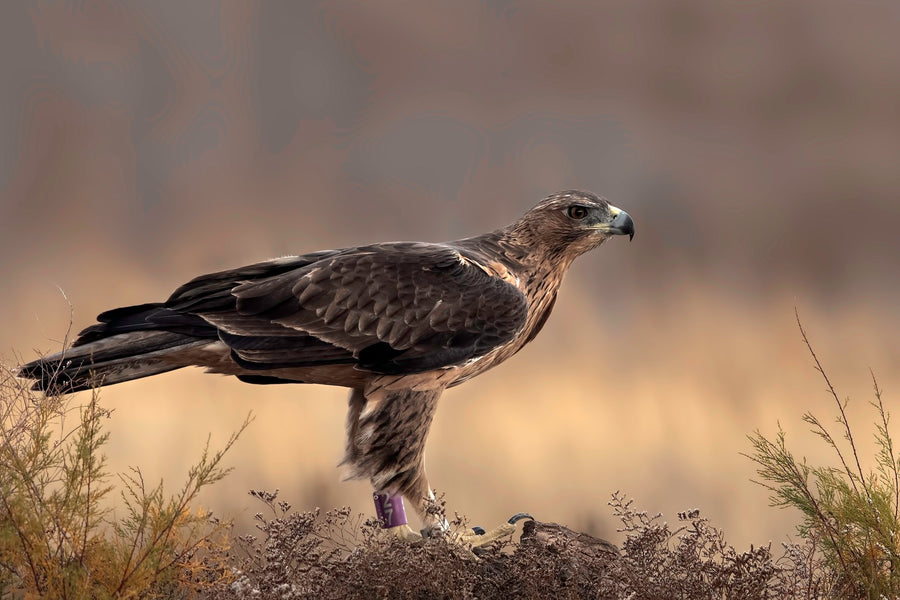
{"points": [[577, 212]]}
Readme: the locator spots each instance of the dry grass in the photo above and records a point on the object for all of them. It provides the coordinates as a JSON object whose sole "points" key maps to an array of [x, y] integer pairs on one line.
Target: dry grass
{"points": [[306, 555]]}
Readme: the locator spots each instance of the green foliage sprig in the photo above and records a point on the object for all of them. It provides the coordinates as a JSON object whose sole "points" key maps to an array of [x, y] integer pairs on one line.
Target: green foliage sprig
{"points": [[59, 537], [850, 513]]}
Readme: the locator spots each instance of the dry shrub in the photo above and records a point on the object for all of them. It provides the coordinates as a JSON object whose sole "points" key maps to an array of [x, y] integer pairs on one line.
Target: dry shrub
{"points": [[336, 555], [59, 537], [695, 561]]}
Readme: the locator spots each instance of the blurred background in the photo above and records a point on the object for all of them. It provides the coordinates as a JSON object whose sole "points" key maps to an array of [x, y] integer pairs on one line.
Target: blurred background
{"points": [[755, 145]]}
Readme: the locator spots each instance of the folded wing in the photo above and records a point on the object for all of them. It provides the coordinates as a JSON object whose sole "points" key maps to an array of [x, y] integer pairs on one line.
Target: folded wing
{"points": [[388, 308]]}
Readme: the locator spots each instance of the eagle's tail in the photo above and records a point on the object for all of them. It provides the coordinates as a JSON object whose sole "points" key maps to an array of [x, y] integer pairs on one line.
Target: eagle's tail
{"points": [[128, 343]]}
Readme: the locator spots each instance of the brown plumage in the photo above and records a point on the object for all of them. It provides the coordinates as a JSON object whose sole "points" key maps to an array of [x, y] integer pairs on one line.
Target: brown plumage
{"points": [[396, 322]]}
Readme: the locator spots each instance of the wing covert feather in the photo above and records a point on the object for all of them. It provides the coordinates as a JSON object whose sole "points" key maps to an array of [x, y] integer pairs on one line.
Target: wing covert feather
{"points": [[394, 308]]}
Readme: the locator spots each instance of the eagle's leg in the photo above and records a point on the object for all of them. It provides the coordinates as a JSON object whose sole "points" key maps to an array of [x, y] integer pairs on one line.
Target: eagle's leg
{"points": [[392, 514], [386, 430]]}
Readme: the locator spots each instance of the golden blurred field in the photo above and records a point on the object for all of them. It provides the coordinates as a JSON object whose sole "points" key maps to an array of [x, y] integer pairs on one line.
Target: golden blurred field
{"points": [[755, 146]]}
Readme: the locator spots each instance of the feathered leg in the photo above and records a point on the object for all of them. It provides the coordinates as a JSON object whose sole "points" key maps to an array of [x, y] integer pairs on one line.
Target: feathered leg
{"points": [[386, 433]]}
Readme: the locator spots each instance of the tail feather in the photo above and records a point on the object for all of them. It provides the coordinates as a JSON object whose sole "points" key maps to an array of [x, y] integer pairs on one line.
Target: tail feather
{"points": [[112, 360], [145, 317], [128, 343]]}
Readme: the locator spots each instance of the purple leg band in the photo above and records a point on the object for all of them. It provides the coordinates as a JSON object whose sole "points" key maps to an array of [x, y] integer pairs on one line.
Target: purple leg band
{"points": [[390, 510]]}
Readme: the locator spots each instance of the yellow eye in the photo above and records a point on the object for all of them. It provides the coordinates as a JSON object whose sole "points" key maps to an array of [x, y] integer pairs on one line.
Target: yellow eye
{"points": [[577, 212]]}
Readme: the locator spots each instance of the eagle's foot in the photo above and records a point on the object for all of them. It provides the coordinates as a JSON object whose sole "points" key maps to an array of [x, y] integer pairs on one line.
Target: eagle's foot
{"points": [[478, 537], [392, 515]]}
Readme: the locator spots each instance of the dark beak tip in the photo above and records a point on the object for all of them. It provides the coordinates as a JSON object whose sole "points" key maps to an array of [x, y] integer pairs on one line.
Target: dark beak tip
{"points": [[624, 224]]}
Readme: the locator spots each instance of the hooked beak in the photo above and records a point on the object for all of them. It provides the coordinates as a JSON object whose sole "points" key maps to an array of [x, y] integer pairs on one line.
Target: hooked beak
{"points": [[622, 223]]}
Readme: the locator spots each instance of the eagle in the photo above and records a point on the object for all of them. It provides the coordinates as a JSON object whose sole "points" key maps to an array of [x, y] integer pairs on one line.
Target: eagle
{"points": [[395, 322]]}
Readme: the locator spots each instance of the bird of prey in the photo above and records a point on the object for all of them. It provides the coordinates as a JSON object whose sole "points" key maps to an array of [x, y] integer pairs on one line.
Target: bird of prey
{"points": [[396, 322]]}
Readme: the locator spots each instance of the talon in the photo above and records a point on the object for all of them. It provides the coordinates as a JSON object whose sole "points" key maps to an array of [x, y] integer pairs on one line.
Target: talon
{"points": [[518, 517], [479, 537]]}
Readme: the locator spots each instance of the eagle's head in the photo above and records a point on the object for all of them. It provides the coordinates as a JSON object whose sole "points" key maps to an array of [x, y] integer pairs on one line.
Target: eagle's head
{"points": [[570, 223]]}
